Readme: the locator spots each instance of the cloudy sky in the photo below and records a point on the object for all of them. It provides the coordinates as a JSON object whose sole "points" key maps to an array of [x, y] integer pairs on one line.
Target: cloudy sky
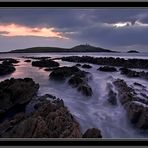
{"points": [[116, 29]]}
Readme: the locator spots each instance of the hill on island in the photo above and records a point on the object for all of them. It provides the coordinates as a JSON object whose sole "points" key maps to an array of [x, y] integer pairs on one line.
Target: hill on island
{"points": [[79, 48]]}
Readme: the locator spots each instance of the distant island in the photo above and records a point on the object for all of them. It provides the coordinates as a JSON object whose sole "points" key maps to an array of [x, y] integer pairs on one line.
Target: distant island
{"points": [[132, 51], [79, 48]]}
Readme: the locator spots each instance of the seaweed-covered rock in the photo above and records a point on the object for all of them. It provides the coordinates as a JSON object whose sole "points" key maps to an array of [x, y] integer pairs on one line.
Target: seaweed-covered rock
{"points": [[45, 63], [92, 133]]}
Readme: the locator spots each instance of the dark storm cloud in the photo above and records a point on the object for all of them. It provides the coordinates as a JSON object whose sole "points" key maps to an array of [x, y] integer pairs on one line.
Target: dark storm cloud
{"points": [[70, 17], [94, 26], [114, 36], [55, 17]]}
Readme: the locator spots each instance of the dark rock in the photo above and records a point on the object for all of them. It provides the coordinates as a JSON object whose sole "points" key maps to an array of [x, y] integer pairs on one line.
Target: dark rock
{"points": [[129, 73], [51, 120], [132, 51], [15, 92], [107, 69], [112, 96], [85, 89], [45, 63], [138, 114], [10, 123], [50, 69], [78, 78], [63, 72], [10, 61], [78, 65], [110, 61], [92, 133], [27, 61], [126, 93], [134, 110], [37, 58], [134, 74], [138, 84], [75, 81], [143, 119], [6, 69], [86, 66]]}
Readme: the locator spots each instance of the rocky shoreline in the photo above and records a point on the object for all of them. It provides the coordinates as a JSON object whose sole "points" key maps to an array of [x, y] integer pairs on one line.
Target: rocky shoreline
{"points": [[44, 117], [135, 106], [24, 114], [110, 61]]}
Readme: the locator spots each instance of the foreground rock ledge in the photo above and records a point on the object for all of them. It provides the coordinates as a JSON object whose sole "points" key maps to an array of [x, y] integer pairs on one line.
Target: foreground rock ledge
{"points": [[50, 120], [136, 107], [16, 93]]}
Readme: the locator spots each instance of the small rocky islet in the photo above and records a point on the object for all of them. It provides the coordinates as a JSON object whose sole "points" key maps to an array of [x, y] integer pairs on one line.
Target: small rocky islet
{"points": [[22, 110]]}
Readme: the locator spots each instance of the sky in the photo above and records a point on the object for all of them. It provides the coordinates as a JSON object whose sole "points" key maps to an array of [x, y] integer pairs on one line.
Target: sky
{"points": [[113, 28]]}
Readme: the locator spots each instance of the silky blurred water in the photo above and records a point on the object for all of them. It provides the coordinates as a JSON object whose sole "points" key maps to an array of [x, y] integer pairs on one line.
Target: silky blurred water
{"points": [[94, 111]]}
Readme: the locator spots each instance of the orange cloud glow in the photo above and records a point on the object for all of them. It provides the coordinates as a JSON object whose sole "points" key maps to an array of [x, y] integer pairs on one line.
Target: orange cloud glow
{"points": [[11, 30]]}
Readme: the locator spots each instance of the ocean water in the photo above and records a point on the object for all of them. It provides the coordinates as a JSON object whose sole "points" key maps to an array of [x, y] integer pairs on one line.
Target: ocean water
{"points": [[94, 111]]}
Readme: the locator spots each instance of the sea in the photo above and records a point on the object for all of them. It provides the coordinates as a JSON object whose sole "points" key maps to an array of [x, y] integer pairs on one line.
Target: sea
{"points": [[90, 112]]}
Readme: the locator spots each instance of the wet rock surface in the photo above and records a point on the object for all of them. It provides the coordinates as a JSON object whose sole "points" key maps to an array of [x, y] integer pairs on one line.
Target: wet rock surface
{"points": [[86, 66], [50, 120], [6, 69], [107, 69], [37, 58], [77, 78], [27, 61], [112, 95], [75, 81], [109, 61], [42, 117], [92, 133], [134, 74], [85, 89], [62, 73], [45, 63], [16, 92], [10, 61], [136, 107], [78, 65]]}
